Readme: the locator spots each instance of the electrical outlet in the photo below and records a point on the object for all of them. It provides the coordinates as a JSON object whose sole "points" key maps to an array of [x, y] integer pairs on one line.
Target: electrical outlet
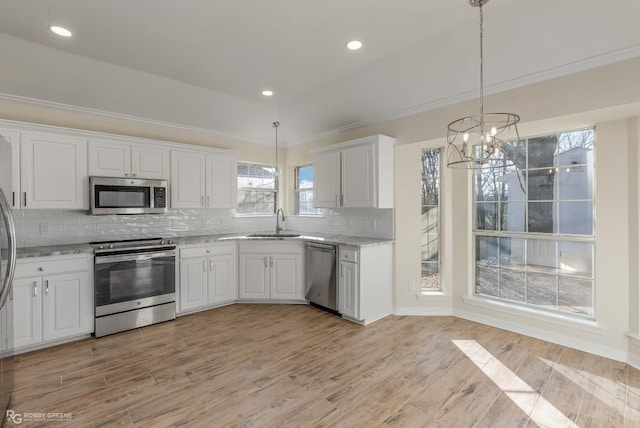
{"points": [[44, 228], [412, 286]]}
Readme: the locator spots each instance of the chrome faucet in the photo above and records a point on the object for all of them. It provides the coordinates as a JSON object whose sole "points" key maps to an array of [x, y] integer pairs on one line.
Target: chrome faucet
{"points": [[278, 218]]}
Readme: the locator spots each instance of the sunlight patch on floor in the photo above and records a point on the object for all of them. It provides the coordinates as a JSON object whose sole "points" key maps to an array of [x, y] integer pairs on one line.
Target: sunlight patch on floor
{"points": [[522, 395]]}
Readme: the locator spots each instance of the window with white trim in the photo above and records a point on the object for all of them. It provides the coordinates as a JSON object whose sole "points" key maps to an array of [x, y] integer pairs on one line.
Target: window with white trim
{"points": [[430, 220], [534, 224], [303, 191], [257, 189]]}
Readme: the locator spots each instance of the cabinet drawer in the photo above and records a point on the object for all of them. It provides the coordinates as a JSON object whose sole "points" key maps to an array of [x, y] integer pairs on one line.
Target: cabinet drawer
{"points": [[349, 255], [208, 250], [41, 267]]}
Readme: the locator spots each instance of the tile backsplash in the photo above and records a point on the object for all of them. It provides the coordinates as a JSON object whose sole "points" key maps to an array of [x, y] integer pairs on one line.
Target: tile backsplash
{"points": [[57, 227]]}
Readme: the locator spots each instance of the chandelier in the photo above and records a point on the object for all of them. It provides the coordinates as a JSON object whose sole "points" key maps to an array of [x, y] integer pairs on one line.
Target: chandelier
{"points": [[478, 141]]}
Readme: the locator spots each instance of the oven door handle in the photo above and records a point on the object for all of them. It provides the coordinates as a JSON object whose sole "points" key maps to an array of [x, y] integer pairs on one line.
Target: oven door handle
{"points": [[138, 257]]}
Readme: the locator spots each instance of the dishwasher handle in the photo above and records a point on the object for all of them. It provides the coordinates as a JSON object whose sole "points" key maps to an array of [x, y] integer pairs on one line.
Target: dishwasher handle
{"points": [[321, 247]]}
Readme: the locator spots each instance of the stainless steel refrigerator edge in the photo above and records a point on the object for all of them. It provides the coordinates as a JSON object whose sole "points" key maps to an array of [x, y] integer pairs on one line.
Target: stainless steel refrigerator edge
{"points": [[320, 273], [7, 264]]}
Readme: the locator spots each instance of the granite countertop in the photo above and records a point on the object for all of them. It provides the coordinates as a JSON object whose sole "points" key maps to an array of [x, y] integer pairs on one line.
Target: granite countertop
{"points": [[315, 237], [54, 250], [64, 250]]}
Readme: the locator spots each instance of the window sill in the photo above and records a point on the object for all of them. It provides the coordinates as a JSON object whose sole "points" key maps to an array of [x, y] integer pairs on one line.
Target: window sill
{"points": [[588, 325], [432, 295]]}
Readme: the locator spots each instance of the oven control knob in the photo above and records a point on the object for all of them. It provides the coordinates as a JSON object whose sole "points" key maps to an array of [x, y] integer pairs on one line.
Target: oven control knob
{"points": [[110, 246], [100, 247], [169, 241]]}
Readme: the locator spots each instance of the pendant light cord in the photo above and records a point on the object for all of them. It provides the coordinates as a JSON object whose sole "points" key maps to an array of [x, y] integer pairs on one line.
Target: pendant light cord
{"points": [[277, 175], [481, 63]]}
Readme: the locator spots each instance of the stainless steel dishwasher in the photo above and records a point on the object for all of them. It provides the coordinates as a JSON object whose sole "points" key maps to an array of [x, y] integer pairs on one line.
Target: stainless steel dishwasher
{"points": [[320, 281]]}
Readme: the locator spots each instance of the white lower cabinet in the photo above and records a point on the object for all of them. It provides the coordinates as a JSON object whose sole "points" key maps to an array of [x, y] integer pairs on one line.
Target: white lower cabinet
{"points": [[207, 276], [271, 271], [52, 300], [365, 282]]}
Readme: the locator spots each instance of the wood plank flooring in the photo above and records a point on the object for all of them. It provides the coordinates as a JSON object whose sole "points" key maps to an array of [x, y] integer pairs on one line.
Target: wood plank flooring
{"points": [[296, 366]]}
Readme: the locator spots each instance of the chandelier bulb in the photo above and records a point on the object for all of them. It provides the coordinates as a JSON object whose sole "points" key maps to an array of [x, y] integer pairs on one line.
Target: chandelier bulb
{"points": [[494, 131], [465, 137]]}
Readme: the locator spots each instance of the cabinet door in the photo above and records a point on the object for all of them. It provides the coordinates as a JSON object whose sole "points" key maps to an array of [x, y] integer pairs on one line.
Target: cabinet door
{"points": [[254, 277], [67, 306], [222, 182], [187, 179], [358, 177], [149, 162], [54, 172], [10, 166], [285, 276], [348, 291], [193, 283], [27, 311], [222, 278], [109, 159], [326, 180]]}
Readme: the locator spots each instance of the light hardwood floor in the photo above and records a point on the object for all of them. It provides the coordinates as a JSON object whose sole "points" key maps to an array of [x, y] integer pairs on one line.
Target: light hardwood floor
{"points": [[296, 366]]}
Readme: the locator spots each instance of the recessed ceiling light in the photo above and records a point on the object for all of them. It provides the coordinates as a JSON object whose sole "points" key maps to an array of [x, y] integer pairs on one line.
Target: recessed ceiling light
{"points": [[267, 93], [60, 31], [354, 45]]}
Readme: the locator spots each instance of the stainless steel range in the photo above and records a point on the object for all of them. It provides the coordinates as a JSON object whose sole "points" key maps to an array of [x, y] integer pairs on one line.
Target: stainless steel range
{"points": [[134, 284]]}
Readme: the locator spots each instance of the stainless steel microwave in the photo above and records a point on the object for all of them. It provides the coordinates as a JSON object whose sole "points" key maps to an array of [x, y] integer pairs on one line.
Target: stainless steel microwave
{"points": [[127, 196]]}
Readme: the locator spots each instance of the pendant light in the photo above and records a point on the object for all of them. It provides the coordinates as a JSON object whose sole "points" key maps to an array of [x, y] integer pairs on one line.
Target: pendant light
{"points": [[478, 141]]}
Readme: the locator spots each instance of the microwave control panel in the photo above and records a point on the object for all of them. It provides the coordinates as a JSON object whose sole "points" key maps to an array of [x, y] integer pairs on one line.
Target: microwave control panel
{"points": [[159, 197]]}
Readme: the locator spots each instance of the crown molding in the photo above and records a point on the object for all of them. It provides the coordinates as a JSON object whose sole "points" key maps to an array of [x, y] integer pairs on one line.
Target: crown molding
{"points": [[593, 62], [125, 117], [586, 64]]}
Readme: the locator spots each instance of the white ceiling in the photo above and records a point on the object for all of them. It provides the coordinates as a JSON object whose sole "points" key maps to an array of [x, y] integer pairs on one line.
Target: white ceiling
{"points": [[416, 55]]}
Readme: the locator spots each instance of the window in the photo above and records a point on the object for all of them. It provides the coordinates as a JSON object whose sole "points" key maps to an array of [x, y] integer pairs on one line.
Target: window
{"points": [[534, 231], [430, 243], [303, 191], [257, 189]]}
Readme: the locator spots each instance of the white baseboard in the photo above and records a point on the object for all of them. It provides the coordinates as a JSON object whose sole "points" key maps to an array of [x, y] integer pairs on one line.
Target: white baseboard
{"points": [[546, 335], [431, 312]]}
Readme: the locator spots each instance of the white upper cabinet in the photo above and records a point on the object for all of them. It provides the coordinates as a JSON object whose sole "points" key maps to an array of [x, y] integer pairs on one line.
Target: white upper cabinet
{"points": [[222, 173], [121, 159], [53, 171], [10, 167], [203, 180], [326, 180], [150, 162], [355, 174], [359, 178], [187, 179]]}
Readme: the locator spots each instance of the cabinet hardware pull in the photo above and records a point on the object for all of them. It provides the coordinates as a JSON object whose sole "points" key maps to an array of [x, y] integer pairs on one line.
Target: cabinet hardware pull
{"points": [[337, 200], [126, 174], [341, 200], [25, 199], [46, 286], [35, 289], [202, 201], [208, 200], [270, 261], [265, 262], [13, 199], [40, 269], [135, 175], [210, 264], [11, 294]]}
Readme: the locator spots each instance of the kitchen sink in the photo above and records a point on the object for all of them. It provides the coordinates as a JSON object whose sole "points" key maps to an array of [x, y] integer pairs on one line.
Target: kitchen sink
{"points": [[274, 235]]}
